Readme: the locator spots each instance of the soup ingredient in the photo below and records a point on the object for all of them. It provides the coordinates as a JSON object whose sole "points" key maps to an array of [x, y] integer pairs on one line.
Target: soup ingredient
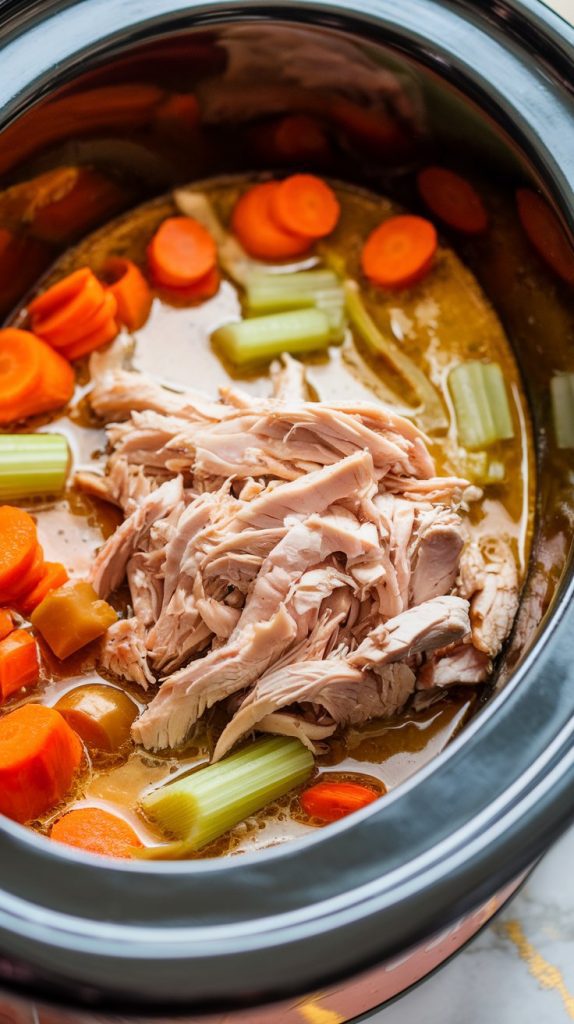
{"points": [[269, 293], [102, 715], [19, 662], [29, 579], [400, 251], [265, 337], [481, 404], [39, 758], [431, 416], [181, 252], [97, 338], [54, 575], [453, 199], [71, 617], [305, 205], [130, 290], [96, 831], [32, 464], [33, 378], [254, 223], [64, 313], [545, 232], [562, 393], [18, 546], [6, 623], [330, 801], [204, 805]]}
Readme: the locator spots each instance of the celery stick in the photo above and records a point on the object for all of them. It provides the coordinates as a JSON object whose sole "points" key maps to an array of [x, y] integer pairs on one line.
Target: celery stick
{"points": [[432, 415], [270, 293], [481, 404], [204, 805], [265, 337], [32, 465], [562, 393]]}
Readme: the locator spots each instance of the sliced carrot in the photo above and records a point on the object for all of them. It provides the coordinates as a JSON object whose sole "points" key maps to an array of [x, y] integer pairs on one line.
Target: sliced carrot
{"points": [[453, 199], [6, 623], [96, 831], [70, 314], [20, 365], [53, 389], [90, 199], [18, 544], [330, 801], [400, 251], [305, 205], [181, 252], [84, 328], [257, 230], [130, 290], [203, 289], [27, 580], [39, 758], [19, 663], [107, 332], [178, 113], [545, 233], [58, 294], [53, 576]]}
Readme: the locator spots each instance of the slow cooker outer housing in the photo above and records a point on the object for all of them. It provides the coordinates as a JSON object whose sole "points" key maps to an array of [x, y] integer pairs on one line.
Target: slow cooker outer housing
{"points": [[209, 934]]}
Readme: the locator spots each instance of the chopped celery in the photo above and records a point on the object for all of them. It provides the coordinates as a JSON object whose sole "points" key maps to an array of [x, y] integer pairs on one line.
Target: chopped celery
{"points": [[264, 337], [562, 392], [479, 468], [32, 465], [481, 404], [269, 293], [202, 806], [431, 415]]}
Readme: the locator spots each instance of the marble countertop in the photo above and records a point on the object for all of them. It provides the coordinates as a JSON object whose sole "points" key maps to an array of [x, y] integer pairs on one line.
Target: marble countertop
{"points": [[519, 970]]}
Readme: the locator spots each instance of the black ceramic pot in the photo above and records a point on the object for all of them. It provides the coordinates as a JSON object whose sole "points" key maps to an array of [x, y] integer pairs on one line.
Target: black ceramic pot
{"points": [[360, 910]]}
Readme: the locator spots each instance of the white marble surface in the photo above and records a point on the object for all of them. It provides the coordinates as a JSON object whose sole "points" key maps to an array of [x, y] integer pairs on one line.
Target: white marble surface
{"points": [[520, 970]]}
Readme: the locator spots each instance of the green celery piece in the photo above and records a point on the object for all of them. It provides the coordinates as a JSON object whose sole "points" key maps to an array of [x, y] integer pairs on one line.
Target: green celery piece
{"points": [[562, 394], [431, 416], [481, 404], [269, 293], [32, 465], [264, 337], [209, 802]]}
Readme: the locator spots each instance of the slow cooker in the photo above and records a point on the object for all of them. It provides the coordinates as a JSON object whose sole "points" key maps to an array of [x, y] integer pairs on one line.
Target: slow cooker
{"points": [[327, 928]]}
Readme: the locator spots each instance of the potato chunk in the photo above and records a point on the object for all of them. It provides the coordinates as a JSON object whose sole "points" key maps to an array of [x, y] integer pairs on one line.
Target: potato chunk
{"points": [[102, 715], [72, 616]]}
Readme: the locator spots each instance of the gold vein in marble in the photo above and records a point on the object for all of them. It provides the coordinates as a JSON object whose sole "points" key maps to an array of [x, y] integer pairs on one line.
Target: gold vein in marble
{"points": [[546, 974]]}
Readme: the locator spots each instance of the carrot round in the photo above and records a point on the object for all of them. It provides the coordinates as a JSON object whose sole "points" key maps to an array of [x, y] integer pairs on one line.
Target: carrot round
{"points": [[20, 365], [68, 316], [6, 623], [201, 290], [96, 831], [53, 575], [27, 580], [101, 336], [256, 228], [305, 205], [58, 294], [56, 382], [19, 663], [52, 388], [400, 251], [181, 252], [545, 233], [18, 544], [81, 329], [39, 758], [453, 199], [130, 290], [330, 801]]}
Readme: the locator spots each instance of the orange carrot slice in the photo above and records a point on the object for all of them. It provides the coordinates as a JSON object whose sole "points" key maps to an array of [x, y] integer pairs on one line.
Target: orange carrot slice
{"points": [[545, 233], [20, 365], [18, 544], [257, 230], [19, 663], [39, 758], [84, 328], [27, 580], [53, 576], [305, 205], [6, 623], [96, 831], [400, 251], [330, 801], [130, 290], [453, 199], [181, 252], [53, 387], [107, 332], [58, 294], [68, 317]]}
